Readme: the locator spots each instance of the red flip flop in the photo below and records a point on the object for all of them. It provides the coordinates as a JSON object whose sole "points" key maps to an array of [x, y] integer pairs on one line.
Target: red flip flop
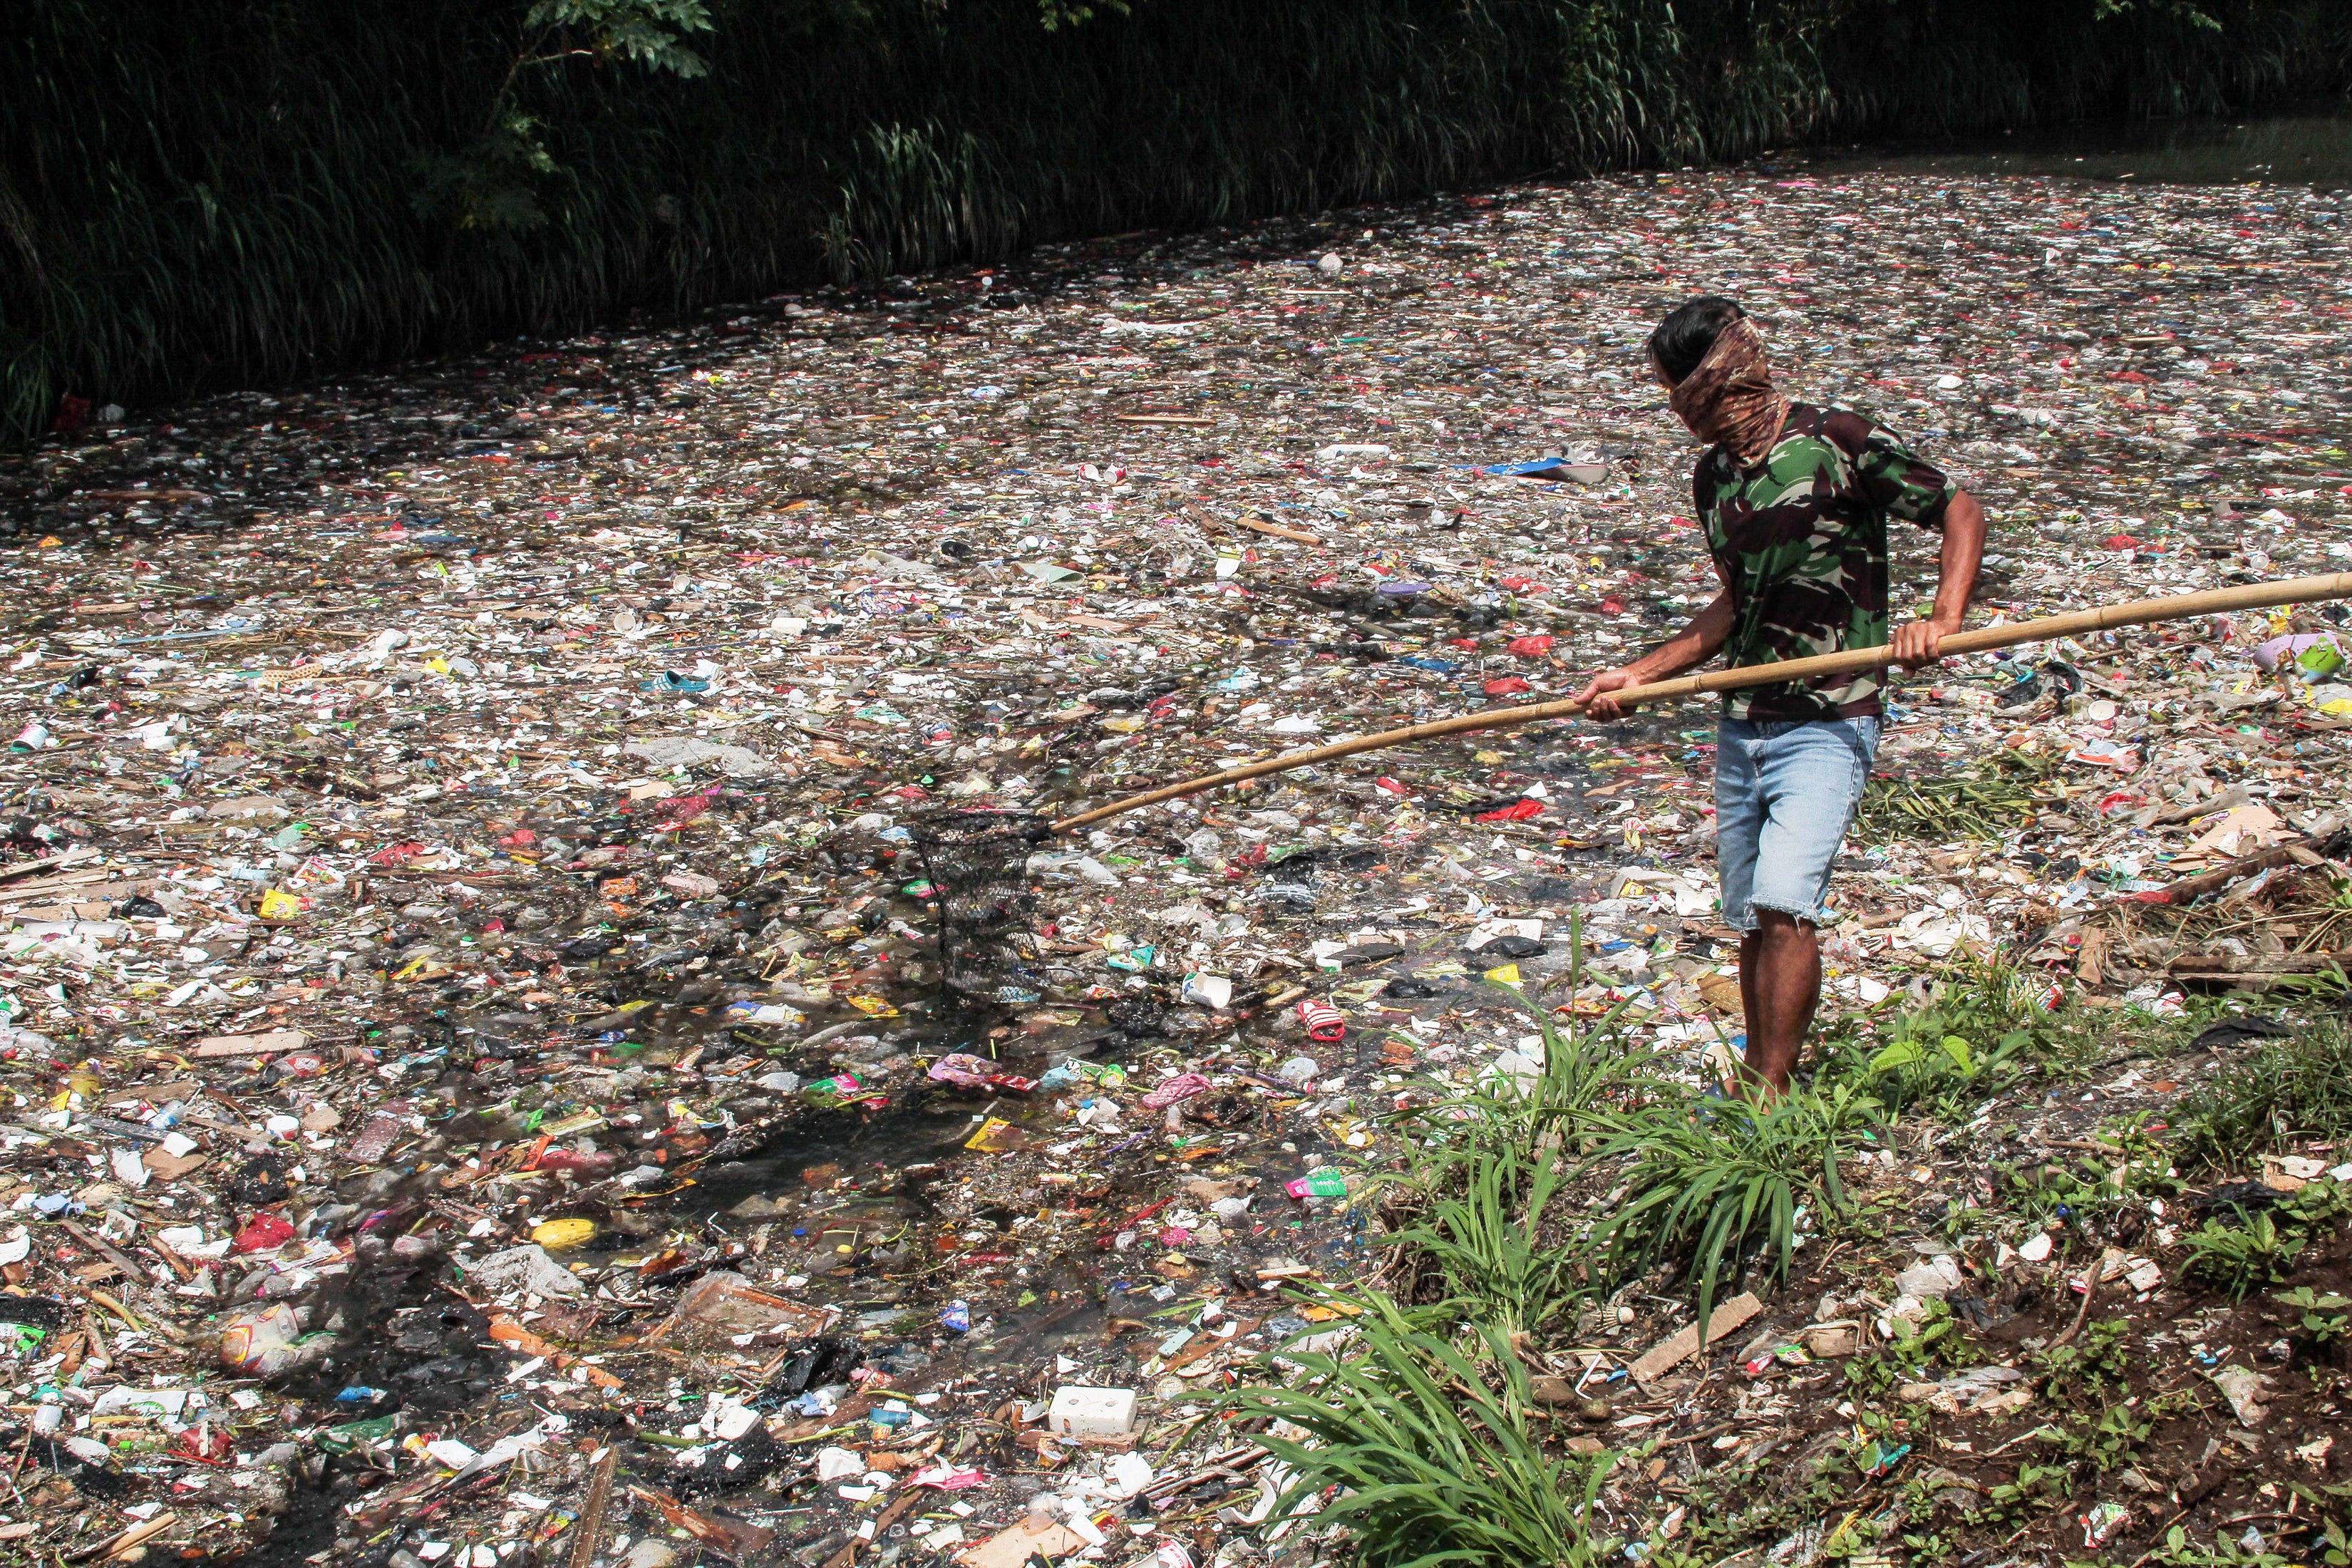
{"points": [[1325, 1024]]}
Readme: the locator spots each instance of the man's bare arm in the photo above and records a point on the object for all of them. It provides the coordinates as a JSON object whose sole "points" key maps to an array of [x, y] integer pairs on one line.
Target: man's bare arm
{"points": [[1699, 640], [1916, 643]]}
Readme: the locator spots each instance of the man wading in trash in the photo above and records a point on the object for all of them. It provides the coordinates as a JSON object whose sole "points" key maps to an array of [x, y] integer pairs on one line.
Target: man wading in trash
{"points": [[1795, 500]]}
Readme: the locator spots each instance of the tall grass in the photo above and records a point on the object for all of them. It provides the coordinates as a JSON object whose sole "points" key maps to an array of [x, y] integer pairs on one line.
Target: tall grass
{"points": [[1418, 1418], [1721, 1182], [2278, 1094], [1428, 1440], [1495, 1219], [227, 191], [1475, 1217], [1488, 1240]]}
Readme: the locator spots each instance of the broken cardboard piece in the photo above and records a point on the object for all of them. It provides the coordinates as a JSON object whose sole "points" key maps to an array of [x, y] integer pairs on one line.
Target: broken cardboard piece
{"points": [[2242, 830], [1014, 1545], [1829, 1340], [276, 1040], [1681, 1346], [2243, 1387]]}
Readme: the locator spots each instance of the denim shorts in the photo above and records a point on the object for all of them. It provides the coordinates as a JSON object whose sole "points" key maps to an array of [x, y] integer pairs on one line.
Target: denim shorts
{"points": [[1785, 791]]}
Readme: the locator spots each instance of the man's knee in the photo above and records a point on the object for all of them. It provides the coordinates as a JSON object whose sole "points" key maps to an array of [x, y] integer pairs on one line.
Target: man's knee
{"points": [[1777, 927]]}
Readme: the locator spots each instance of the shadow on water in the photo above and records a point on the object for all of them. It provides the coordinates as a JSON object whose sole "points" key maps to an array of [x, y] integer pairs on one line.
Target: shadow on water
{"points": [[846, 1160], [2310, 147]]}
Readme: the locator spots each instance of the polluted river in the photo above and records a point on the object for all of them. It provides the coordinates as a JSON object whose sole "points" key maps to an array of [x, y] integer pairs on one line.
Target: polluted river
{"points": [[546, 1023]]}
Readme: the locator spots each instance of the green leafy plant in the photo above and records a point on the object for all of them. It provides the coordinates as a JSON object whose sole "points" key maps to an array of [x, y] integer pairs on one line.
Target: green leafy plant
{"points": [[1989, 1021], [2240, 1258], [2086, 1184], [1916, 1353], [2031, 1488], [1428, 1440], [1486, 1239], [2332, 1505], [2315, 1205], [1918, 1066], [2177, 1550], [1710, 1179], [1586, 1070], [1477, 1205], [2142, 1166], [2324, 1318], [2089, 1364], [494, 183], [2105, 1441]]}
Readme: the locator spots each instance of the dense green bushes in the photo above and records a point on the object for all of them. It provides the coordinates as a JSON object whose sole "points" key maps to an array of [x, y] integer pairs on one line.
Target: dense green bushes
{"points": [[238, 190]]}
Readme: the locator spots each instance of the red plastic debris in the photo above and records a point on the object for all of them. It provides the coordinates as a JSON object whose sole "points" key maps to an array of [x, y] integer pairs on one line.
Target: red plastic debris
{"points": [[265, 1231], [205, 1444]]}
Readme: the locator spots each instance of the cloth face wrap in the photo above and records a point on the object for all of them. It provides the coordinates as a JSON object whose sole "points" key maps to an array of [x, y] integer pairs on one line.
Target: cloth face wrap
{"points": [[1729, 399]]}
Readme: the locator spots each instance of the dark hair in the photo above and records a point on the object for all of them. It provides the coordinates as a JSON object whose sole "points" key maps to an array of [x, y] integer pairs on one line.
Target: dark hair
{"points": [[1682, 339]]}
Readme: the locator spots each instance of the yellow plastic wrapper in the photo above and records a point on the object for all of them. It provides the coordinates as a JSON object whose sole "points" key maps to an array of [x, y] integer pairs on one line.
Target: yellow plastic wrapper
{"points": [[995, 1136], [556, 1234]]}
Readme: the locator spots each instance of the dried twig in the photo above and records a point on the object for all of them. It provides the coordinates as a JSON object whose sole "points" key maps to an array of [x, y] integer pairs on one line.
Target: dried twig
{"points": [[2090, 1294], [591, 1513]]}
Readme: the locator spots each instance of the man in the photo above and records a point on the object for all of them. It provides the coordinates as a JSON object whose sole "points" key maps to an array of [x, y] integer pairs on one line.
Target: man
{"points": [[1794, 500]]}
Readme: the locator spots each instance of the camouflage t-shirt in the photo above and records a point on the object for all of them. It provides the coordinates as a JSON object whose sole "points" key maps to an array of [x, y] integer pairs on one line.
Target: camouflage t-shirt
{"points": [[1802, 539]]}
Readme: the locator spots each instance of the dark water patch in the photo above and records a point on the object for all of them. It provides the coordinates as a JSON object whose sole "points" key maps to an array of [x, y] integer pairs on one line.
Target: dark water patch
{"points": [[2309, 147]]}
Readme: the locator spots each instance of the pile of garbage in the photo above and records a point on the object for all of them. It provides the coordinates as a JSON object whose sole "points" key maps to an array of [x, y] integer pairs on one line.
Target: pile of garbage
{"points": [[504, 1070]]}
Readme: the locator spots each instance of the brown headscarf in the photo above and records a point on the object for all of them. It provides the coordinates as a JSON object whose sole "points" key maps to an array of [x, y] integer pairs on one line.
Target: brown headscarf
{"points": [[1729, 398]]}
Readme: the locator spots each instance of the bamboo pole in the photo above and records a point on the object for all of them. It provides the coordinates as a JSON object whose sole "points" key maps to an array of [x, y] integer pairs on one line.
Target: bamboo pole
{"points": [[2135, 613]]}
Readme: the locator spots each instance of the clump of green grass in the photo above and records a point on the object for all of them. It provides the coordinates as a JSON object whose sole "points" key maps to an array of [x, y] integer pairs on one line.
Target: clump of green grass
{"points": [[2084, 1371], [1486, 1241], [1990, 1023], [2098, 1184], [2263, 1247], [2242, 1258], [1712, 1181], [1706, 1181], [1428, 1439], [1478, 1207], [2280, 1093], [1926, 1063]]}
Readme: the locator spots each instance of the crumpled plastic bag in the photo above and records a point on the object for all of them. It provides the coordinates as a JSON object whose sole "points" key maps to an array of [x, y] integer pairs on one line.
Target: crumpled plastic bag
{"points": [[526, 1269]]}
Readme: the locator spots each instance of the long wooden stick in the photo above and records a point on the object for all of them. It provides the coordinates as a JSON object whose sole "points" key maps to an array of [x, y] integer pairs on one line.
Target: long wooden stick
{"points": [[591, 1523], [2137, 613]]}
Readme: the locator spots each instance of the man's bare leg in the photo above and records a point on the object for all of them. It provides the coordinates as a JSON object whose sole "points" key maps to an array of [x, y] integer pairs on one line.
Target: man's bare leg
{"points": [[1750, 1011], [1780, 987]]}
